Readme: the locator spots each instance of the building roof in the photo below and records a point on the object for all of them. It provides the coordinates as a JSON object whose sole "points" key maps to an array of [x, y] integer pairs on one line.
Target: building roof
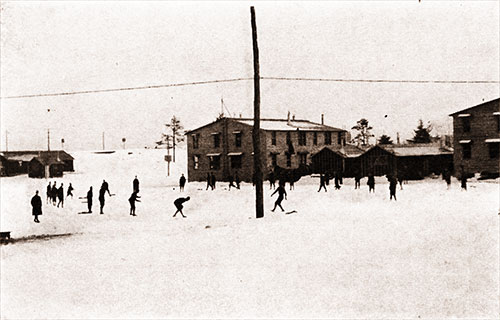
{"points": [[412, 150], [279, 125], [347, 151], [28, 155], [477, 106], [48, 160]]}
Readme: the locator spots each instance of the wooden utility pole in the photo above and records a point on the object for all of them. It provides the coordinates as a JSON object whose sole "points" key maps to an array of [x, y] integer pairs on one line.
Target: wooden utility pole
{"points": [[257, 164], [48, 139], [6, 140], [103, 146]]}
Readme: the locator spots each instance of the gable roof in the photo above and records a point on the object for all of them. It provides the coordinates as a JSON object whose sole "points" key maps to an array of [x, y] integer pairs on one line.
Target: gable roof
{"points": [[477, 106], [28, 155], [278, 125], [48, 160], [347, 151], [421, 149]]}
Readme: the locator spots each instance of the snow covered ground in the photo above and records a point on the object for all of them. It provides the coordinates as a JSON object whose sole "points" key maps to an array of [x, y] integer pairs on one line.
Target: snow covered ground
{"points": [[345, 254]]}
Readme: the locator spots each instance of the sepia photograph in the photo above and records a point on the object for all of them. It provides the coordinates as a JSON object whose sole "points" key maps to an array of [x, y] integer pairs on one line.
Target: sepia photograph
{"points": [[250, 159]]}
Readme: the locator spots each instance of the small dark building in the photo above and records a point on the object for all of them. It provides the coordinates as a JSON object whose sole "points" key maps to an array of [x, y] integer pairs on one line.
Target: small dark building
{"points": [[377, 161], [344, 159], [14, 165], [17, 162], [45, 167]]}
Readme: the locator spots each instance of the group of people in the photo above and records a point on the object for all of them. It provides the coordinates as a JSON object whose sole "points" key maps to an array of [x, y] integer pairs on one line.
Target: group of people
{"points": [[55, 193], [324, 180]]}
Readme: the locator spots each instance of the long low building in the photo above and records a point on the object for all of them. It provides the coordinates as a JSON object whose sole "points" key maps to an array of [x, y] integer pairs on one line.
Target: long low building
{"points": [[18, 162]]}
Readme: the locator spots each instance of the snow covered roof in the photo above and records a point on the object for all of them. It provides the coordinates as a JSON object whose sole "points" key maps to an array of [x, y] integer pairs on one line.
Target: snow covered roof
{"points": [[417, 150], [465, 111], [63, 155], [285, 125], [347, 151], [20, 157], [279, 125]]}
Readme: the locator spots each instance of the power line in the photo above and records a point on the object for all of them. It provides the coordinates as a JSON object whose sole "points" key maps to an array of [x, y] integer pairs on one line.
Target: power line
{"points": [[381, 80], [246, 79], [125, 89]]}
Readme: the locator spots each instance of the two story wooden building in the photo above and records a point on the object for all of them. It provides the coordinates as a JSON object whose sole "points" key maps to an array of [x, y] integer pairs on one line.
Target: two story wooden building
{"points": [[476, 139], [225, 147]]}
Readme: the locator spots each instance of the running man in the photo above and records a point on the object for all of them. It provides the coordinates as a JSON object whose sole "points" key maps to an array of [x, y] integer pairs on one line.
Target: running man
{"points": [[178, 204], [281, 192]]}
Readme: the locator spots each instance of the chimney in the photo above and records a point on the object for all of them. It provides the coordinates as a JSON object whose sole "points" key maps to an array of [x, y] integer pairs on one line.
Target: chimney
{"points": [[293, 117], [240, 116], [322, 118], [397, 138], [288, 118]]}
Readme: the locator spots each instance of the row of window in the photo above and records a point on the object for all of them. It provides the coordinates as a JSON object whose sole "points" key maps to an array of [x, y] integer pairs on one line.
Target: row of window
{"points": [[466, 119], [493, 150], [216, 138], [214, 161]]}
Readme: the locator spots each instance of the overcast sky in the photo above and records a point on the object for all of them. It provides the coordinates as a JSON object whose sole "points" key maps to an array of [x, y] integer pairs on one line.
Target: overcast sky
{"points": [[50, 47]]}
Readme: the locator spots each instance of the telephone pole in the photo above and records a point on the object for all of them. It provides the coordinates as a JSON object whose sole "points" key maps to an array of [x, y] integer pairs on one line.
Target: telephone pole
{"points": [[257, 164], [6, 140], [103, 147], [48, 139]]}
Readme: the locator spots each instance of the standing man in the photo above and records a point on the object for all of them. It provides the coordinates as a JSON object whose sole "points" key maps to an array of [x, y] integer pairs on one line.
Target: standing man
{"points": [[272, 180], [178, 204], [60, 196], [322, 182], [54, 194], [281, 192], [337, 181], [237, 180], [463, 181], [135, 184], [182, 182], [393, 182], [357, 181], [70, 191], [49, 193], [36, 203], [231, 180], [102, 192], [105, 186], [209, 181], [89, 199], [371, 183], [212, 180], [133, 198]]}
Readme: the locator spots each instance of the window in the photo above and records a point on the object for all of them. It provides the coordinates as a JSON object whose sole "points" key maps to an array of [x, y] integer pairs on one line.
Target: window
{"points": [[274, 160], [303, 159], [466, 124], [273, 138], [315, 138], [216, 140], [466, 151], [288, 138], [302, 138], [498, 123], [288, 160], [237, 139], [493, 148], [328, 137], [196, 140], [214, 162], [236, 162], [339, 138], [196, 162]]}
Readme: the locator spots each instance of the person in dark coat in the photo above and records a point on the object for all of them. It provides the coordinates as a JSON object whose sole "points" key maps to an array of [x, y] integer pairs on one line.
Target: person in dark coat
{"points": [[400, 179], [178, 204], [132, 200], [237, 180], [322, 182], [272, 180], [135, 184], [36, 203], [447, 178], [371, 183], [337, 181], [281, 193], [90, 194], [60, 196], [70, 191], [327, 178], [54, 194], [231, 181], [213, 181], [209, 181], [463, 181], [105, 186], [102, 200], [393, 182], [182, 182], [357, 181], [49, 193]]}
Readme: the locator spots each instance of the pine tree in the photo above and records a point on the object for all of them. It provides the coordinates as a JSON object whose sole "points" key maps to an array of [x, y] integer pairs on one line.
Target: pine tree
{"points": [[175, 137], [422, 134], [384, 139], [364, 134]]}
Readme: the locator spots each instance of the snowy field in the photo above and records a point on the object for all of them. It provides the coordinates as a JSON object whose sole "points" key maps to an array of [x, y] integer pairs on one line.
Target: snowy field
{"points": [[344, 254]]}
